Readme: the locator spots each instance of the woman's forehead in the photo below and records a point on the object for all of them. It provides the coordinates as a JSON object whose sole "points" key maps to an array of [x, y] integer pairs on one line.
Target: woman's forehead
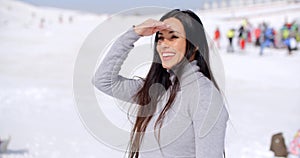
{"points": [[175, 25]]}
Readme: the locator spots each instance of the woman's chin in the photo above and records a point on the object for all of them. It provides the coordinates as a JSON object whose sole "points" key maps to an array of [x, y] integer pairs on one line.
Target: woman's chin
{"points": [[166, 66]]}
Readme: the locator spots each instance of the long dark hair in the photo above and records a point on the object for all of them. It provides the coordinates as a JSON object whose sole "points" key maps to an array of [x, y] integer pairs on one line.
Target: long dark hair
{"points": [[149, 95]]}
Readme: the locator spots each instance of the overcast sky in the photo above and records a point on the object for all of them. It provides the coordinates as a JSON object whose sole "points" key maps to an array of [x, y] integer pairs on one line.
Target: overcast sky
{"points": [[114, 6]]}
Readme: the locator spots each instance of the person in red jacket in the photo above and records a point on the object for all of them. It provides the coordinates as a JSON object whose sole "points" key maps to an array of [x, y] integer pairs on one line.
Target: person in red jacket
{"points": [[217, 36], [257, 33]]}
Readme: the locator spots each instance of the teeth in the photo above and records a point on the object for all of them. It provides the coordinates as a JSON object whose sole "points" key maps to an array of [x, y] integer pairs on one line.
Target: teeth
{"points": [[168, 54]]}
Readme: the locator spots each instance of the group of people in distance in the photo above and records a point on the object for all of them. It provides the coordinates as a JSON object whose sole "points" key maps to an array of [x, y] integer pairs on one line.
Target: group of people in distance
{"points": [[264, 35]]}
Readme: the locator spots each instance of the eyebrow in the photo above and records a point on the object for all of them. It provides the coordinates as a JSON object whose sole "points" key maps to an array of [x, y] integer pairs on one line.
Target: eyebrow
{"points": [[170, 32]]}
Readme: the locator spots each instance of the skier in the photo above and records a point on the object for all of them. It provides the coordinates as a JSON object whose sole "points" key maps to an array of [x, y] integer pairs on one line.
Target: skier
{"points": [[3, 144], [230, 35], [42, 22], [217, 37], [294, 148], [268, 40], [291, 44], [257, 33], [242, 37]]}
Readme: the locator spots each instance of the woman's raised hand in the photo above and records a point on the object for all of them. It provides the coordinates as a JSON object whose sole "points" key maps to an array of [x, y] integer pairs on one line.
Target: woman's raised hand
{"points": [[149, 27]]}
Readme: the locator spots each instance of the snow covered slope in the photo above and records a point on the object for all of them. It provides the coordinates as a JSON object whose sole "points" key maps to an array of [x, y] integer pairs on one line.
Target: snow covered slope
{"points": [[36, 69]]}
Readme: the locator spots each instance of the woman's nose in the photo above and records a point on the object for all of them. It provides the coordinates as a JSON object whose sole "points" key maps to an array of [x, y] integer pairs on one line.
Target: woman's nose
{"points": [[165, 43]]}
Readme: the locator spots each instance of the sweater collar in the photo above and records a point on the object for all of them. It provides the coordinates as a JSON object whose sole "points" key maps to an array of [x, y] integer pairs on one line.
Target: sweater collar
{"points": [[185, 71]]}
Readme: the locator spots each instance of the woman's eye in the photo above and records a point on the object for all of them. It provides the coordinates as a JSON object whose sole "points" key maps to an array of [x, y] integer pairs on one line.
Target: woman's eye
{"points": [[170, 38], [160, 38], [174, 37]]}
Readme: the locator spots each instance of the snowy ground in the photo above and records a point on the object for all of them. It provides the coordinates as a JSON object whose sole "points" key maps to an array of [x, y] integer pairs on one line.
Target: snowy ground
{"points": [[36, 95]]}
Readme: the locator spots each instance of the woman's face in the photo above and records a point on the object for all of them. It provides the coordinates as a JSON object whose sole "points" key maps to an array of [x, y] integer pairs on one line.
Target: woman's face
{"points": [[171, 43]]}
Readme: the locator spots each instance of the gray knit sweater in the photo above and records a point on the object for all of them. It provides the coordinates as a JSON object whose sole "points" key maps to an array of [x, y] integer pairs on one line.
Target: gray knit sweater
{"points": [[196, 123]]}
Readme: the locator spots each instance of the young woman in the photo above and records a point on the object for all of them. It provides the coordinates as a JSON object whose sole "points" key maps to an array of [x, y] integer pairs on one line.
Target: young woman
{"points": [[181, 112]]}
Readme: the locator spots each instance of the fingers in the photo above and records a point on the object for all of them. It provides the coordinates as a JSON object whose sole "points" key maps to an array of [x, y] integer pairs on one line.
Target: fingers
{"points": [[159, 25], [151, 26]]}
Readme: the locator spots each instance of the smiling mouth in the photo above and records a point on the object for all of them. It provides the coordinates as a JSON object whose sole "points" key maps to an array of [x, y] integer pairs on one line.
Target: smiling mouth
{"points": [[168, 55]]}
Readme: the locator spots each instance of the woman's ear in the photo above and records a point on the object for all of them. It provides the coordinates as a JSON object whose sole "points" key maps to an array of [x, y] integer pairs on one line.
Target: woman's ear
{"points": [[194, 53], [196, 49]]}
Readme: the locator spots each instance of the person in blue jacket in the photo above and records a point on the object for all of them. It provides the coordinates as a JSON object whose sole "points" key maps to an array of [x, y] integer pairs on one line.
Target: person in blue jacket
{"points": [[268, 40]]}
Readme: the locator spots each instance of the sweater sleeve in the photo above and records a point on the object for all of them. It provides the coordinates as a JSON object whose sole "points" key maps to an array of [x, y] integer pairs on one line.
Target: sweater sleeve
{"points": [[107, 78], [209, 123]]}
